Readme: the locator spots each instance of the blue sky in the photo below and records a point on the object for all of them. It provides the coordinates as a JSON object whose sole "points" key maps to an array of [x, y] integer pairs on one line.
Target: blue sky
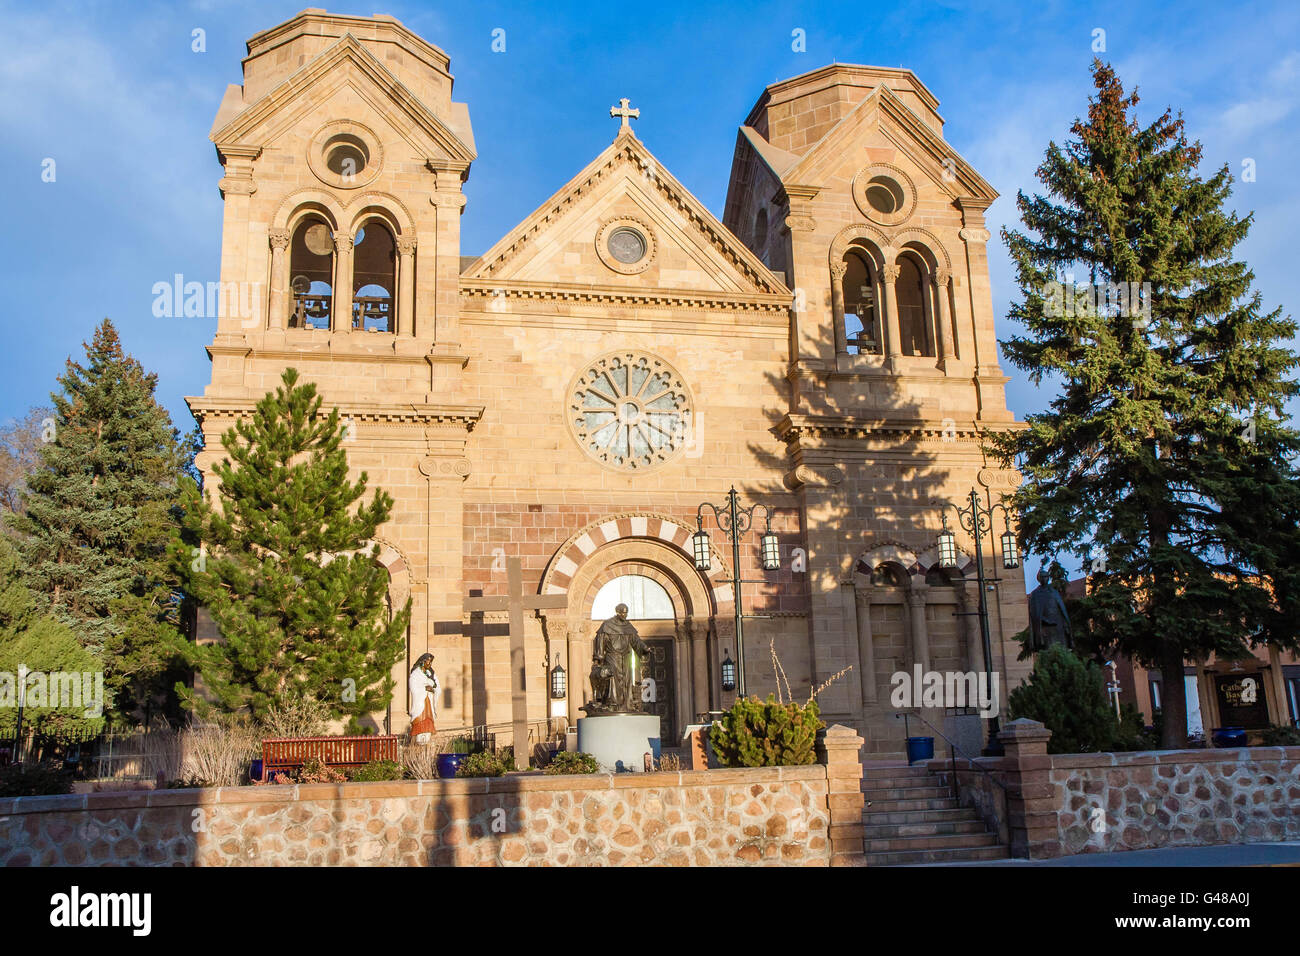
{"points": [[113, 93]]}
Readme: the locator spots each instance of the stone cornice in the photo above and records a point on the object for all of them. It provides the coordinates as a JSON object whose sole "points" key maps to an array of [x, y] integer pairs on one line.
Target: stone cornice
{"points": [[466, 416], [797, 426], [775, 303]]}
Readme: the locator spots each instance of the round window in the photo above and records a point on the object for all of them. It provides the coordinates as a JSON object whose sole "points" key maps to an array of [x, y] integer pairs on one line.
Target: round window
{"points": [[627, 245], [884, 195], [346, 155]]}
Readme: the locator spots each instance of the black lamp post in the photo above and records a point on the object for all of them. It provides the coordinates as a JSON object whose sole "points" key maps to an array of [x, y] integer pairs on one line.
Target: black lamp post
{"points": [[978, 521], [734, 521]]}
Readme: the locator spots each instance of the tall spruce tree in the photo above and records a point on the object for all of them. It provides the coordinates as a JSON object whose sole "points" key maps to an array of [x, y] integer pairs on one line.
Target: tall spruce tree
{"points": [[286, 567], [99, 513], [1167, 455]]}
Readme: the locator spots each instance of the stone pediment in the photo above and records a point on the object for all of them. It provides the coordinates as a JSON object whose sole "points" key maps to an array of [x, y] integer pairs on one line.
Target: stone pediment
{"points": [[883, 119], [571, 239], [240, 126]]}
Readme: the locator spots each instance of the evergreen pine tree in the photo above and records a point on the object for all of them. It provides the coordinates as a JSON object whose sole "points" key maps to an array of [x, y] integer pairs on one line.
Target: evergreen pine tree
{"points": [[99, 516], [33, 639], [286, 567], [1167, 449], [1068, 696]]}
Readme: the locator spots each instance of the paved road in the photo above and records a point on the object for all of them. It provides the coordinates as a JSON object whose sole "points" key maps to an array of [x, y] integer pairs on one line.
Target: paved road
{"points": [[1248, 854]]}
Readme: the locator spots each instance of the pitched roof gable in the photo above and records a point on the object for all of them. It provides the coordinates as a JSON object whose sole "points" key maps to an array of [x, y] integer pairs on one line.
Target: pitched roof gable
{"points": [[397, 100], [627, 151]]}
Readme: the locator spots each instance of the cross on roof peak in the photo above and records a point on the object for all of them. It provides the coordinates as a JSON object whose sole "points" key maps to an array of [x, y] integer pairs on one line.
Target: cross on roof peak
{"points": [[623, 110]]}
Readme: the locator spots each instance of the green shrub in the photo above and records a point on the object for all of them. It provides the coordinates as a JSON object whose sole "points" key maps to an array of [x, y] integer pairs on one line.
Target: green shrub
{"points": [[1282, 736], [460, 745], [486, 764], [379, 770], [1068, 696], [571, 761], [757, 733], [35, 780]]}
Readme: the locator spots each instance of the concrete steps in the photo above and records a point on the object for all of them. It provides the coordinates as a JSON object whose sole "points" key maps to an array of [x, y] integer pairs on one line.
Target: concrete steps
{"points": [[911, 818]]}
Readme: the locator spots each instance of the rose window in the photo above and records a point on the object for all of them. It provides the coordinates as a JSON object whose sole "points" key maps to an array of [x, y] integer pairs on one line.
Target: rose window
{"points": [[630, 411]]}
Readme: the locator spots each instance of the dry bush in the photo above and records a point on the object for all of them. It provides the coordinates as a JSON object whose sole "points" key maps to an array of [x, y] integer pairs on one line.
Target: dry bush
{"points": [[219, 754], [420, 763], [670, 762], [296, 717]]}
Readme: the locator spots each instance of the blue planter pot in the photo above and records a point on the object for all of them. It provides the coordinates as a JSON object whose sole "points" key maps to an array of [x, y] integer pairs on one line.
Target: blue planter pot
{"points": [[919, 748], [1229, 736], [448, 764]]}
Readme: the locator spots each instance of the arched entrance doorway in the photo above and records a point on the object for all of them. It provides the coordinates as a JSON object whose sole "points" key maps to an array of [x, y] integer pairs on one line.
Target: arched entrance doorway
{"points": [[650, 609], [672, 606]]}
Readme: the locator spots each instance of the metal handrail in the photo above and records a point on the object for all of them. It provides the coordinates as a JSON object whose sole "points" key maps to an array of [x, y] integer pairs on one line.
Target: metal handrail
{"points": [[952, 752]]}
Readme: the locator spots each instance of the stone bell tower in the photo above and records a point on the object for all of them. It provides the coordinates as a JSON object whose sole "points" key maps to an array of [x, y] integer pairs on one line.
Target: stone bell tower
{"points": [[344, 158]]}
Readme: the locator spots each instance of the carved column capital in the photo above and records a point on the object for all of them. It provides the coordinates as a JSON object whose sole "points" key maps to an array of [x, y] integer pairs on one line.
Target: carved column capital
{"points": [[405, 245], [279, 239], [838, 269], [891, 272], [342, 243], [940, 279]]}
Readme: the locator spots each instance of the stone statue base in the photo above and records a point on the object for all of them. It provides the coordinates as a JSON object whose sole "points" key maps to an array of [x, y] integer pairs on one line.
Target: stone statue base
{"points": [[619, 742]]}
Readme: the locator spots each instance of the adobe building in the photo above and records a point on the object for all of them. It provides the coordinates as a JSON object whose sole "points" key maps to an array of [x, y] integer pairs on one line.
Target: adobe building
{"points": [[572, 395]]}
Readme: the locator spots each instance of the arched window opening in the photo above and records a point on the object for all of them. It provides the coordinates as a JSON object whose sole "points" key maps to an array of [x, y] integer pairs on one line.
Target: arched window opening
{"points": [[910, 292], [374, 278], [938, 577], [861, 322], [886, 576], [645, 598], [311, 268]]}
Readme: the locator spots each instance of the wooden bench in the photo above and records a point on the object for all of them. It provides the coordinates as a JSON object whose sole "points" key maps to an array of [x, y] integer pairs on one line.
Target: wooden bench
{"points": [[281, 754]]}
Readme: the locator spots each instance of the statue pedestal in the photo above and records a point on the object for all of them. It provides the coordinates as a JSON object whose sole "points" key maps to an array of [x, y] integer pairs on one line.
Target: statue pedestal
{"points": [[619, 742]]}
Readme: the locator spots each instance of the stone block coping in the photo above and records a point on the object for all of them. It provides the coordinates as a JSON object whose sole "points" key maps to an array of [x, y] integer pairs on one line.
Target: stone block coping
{"points": [[378, 790]]}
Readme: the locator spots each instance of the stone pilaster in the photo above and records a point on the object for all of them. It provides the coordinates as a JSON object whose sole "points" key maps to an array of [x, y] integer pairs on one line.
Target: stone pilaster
{"points": [[1031, 797], [866, 648], [843, 746]]}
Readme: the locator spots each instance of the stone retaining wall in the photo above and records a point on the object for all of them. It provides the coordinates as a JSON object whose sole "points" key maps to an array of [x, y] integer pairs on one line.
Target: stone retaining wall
{"points": [[1064, 804], [773, 816]]}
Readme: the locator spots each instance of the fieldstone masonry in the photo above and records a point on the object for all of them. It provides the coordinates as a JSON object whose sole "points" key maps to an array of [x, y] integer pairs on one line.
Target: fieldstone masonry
{"points": [[1063, 804], [776, 816]]}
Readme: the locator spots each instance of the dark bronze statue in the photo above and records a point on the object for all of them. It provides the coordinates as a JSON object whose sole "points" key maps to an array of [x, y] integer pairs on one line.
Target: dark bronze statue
{"points": [[617, 663], [1048, 621]]}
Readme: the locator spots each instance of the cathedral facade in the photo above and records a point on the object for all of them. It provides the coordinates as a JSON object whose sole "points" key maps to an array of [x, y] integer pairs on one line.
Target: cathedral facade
{"points": [[572, 396]]}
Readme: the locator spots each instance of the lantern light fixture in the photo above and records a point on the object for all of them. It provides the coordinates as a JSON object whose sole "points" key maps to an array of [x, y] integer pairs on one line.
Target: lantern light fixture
{"points": [[728, 674], [559, 683], [700, 545], [947, 546]]}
